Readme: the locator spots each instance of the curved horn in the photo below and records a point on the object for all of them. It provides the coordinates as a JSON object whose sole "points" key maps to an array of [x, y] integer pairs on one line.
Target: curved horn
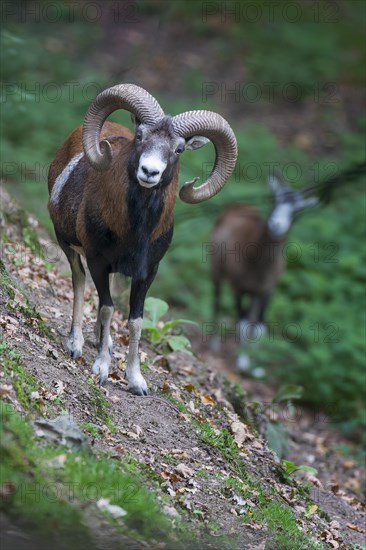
{"points": [[132, 98], [214, 127]]}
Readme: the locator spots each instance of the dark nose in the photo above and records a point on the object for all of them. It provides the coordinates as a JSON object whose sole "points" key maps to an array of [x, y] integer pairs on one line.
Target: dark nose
{"points": [[149, 173]]}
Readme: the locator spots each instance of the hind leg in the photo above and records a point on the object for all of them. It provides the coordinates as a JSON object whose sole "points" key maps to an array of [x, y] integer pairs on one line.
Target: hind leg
{"points": [[265, 299], [75, 340], [248, 332], [100, 276], [215, 340]]}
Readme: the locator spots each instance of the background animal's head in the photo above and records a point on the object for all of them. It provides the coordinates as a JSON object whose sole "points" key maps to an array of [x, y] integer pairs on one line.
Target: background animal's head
{"points": [[288, 203], [159, 140]]}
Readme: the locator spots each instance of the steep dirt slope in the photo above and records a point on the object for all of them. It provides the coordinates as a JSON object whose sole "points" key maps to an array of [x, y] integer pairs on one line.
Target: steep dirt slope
{"points": [[211, 467]]}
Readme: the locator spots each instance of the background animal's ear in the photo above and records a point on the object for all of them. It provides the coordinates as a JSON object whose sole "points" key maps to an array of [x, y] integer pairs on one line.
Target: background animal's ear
{"points": [[196, 142], [308, 203], [135, 121], [274, 183]]}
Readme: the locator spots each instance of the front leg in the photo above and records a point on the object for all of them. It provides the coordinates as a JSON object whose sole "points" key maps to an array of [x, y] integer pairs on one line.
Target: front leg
{"points": [[139, 288], [136, 382]]}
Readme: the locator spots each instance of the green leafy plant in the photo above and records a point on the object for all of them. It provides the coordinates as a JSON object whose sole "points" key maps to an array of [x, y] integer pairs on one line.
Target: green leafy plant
{"points": [[287, 393], [160, 333], [276, 432], [290, 468]]}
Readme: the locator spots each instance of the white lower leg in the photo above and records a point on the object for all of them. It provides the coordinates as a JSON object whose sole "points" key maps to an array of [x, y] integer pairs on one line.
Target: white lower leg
{"points": [[136, 382], [97, 334], [103, 360], [243, 360], [75, 340]]}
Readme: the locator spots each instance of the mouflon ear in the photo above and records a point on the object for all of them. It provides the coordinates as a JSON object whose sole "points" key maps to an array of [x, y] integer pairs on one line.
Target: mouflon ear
{"points": [[196, 142], [308, 203]]}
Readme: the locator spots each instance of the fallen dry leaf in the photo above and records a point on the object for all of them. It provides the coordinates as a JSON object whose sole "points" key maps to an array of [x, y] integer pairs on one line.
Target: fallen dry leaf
{"points": [[185, 369], [114, 376], [184, 470], [124, 339], [5, 390], [311, 510], [136, 434], [241, 433], [207, 399], [167, 387], [170, 476], [178, 453], [327, 536], [355, 528]]}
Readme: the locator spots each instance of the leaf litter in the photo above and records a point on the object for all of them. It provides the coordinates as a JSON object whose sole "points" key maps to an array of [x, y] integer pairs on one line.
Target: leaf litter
{"points": [[152, 432]]}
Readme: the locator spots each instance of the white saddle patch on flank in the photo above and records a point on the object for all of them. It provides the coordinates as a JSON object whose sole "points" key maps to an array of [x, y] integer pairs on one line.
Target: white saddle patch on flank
{"points": [[63, 177]]}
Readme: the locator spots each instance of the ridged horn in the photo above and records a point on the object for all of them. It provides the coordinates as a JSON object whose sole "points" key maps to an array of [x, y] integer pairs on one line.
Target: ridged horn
{"points": [[129, 97], [216, 128]]}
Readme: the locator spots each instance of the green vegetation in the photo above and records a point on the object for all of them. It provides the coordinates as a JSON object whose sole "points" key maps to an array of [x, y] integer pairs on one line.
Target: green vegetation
{"points": [[317, 311], [23, 382], [40, 490], [269, 510], [281, 522], [54, 490], [100, 406], [291, 468], [91, 429], [160, 333]]}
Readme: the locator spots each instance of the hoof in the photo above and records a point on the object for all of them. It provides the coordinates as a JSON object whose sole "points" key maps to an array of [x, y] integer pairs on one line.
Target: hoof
{"points": [[243, 363], [135, 390], [74, 345], [136, 384], [101, 368]]}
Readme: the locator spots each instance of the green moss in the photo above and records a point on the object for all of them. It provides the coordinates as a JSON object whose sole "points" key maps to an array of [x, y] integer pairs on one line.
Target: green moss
{"points": [[53, 500], [6, 282], [23, 382], [91, 429], [278, 518], [281, 522], [33, 498], [100, 406]]}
